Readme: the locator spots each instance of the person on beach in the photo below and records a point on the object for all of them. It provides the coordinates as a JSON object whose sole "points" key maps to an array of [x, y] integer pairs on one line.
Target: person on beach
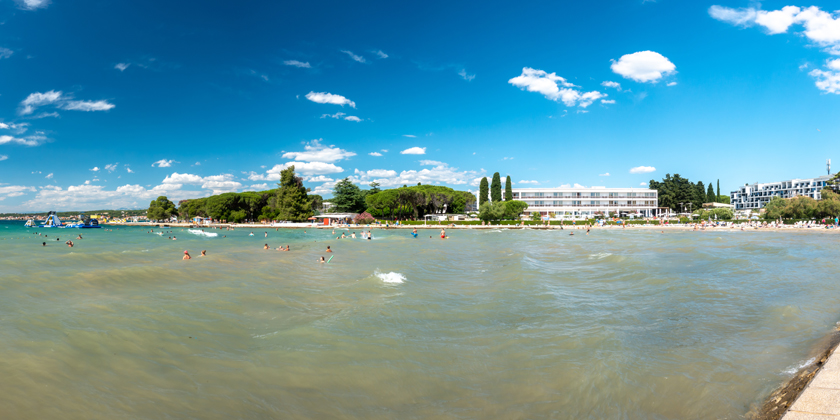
{"points": [[203, 253], [186, 256], [328, 249]]}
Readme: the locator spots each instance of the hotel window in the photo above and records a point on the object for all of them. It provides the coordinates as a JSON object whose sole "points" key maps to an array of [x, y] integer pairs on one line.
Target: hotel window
{"points": [[613, 195], [592, 203]]}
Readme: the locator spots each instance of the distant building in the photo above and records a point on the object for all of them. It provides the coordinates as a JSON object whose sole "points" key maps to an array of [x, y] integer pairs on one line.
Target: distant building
{"points": [[756, 196], [326, 205], [588, 202]]}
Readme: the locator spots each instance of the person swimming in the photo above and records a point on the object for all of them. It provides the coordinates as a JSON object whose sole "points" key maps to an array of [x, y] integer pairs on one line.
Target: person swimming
{"points": [[328, 249], [322, 260], [266, 246], [414, 232], [186, 256], [354, 235], [203, 253], [252, 234]]}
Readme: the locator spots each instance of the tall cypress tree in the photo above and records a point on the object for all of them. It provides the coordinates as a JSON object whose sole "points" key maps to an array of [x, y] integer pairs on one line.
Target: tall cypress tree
{"points": [[717, 196], [710, 194], [508, 189], [482, 192], [496, 188]]}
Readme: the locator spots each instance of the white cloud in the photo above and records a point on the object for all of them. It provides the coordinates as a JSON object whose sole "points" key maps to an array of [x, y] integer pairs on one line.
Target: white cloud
{"points": [[197, 164], [465, 76], [337, 115], [544, 83], [37, 99], [34, 100], [530, 182], [329, 98], [643, 184], [216, 183], [375, 154], [609, 84], [384, 150], [257, 187], [122, 66], [32, 4], [325, 188], [295, 63], [95, 169], [414, 151], [128, 169], [49, 176], [4, 126], [643, 66], [178, 179], [14, 191], [5, 52], [87, 106], [507, 158], [607, 101], [409, 136], [111, 168], [319, 178], [253, 176], [3, 157], [302, 168], [642, 169], [353, 118], [431, 163], [827, 81], [606, 174], [36, 140], [314, 151], [163, 163], [441, 174], [354, 56], [671, 84], [380, 54], [740, 17]]}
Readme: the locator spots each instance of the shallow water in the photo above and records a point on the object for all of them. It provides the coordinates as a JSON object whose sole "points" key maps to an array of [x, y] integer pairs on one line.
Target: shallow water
{"points": [[487, 324]]}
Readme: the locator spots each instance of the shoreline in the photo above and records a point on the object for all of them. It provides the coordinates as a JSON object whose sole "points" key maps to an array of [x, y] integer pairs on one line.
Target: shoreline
{"points": [[674, 227], [778, 404]]}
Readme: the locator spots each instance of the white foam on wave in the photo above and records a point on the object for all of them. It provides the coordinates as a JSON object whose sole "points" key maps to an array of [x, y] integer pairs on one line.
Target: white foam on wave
{"points": [[392, 277], [202, 233], [600, 256], [792, 370]]}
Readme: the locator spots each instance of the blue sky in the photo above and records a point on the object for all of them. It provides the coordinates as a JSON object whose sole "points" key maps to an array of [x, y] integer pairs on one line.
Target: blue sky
{"points": [[110, 104]]}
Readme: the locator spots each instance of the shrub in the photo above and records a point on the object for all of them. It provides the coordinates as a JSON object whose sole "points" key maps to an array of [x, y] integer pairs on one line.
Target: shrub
{"points": [[363, 219]]}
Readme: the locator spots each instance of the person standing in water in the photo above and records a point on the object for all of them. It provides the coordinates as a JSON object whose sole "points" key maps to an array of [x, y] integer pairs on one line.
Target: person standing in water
{"points": [[186, 256], [442, 234]]}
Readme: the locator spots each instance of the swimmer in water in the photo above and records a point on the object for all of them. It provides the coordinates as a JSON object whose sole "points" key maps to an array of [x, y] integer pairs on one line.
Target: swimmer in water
{"points": [[266, 246], [266, 234], [203, 253], [442, 234], [343, 236], [80, 237], [186, 256], [328, 249], [354, 235], [252, 234], [43, 244], [322, 260]]}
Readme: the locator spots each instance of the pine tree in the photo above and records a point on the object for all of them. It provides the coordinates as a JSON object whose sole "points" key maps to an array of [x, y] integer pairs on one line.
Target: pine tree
{"points": [[482, 192], [291, 200], [496, 188], [710, 194], [717, 196], [508, 189]]}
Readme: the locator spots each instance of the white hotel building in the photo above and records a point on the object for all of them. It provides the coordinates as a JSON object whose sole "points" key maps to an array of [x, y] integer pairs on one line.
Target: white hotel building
{"points": [[587, 202], [756, 196]]}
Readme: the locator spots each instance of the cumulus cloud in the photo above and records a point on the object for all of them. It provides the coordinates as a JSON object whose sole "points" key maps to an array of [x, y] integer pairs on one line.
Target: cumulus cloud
{"points": [[216, 183], [111, 168], [554, 87], [128, 169], [319, 178], [296, 63], [440, 174], [414, 151], [301, 168], [642, 169], [375, 154], [355, 57], [329, 98], [607, 101], [431, 163], [58, 99], [163, 163], [122, 66], [353, 118], [609, 84], [14, 191], [644, 184], [671, 84], [820, 27], [529, 182], [314, 151], [95, 169], [643, 66]]}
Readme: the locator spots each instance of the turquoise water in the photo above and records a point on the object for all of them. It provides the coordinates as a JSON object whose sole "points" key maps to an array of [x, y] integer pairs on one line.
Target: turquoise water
{"points": [[487, 324]]}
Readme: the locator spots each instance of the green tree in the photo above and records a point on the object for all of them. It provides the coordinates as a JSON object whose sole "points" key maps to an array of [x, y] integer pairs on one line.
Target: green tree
{"points": [[492, 211], [482, 192], [514, 208], [535, 216], [775, 208], [711, 197], [496, 188], [160, 209], [348, 197], [508, 189], [316, 202], [374, 187], [718, 191], [723, 199], [291, 201]]}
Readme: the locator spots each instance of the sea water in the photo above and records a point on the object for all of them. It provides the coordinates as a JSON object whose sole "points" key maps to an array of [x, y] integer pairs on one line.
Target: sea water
{"points": [[486, 324]]}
